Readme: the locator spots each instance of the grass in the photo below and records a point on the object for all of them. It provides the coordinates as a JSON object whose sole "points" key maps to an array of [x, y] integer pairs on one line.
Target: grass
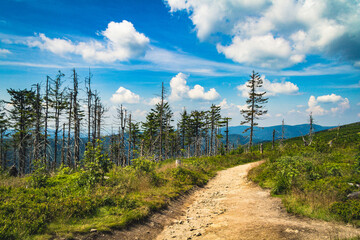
{"points": [[315, 180], [41, 206]]}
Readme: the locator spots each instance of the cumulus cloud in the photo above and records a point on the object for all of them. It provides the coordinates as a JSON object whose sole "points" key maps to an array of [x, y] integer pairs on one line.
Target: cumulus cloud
{"points": [[279, 33], [331, 98], [121, 43], [178, 86], [4, 51], [198, 92], [153, 101], [180, 90], [265, 51], [271, 88], [315, 108], [124, 95]]}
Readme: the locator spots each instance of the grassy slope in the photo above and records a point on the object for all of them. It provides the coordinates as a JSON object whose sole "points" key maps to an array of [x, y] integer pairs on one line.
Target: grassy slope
{"points": [[65, 204], [315, 180]]}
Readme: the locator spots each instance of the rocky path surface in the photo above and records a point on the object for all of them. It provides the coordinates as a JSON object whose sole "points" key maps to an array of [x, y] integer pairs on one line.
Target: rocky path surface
{"points": [[230, 207]]}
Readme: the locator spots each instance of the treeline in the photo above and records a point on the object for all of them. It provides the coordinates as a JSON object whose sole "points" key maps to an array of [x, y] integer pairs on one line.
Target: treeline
{"points": [[26, 136]]}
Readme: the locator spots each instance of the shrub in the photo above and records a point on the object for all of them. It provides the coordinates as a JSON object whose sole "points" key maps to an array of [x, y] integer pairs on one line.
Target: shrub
{"points": [[288, 168], [349, 210], [39, 178], [143, 164], [96, 164]]}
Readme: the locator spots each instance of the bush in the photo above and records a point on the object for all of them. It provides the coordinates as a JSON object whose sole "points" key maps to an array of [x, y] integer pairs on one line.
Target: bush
{"points": [[39, 178], [144, 165], [287, 168], [348, 211], [96, 164]]}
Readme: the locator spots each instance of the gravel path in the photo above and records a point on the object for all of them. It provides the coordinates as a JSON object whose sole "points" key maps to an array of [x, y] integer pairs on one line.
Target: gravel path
{"points": [[230, 207]]}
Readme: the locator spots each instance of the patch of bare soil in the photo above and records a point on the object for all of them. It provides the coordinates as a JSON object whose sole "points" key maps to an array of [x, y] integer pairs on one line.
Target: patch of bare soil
{"points": [[230, 207]]}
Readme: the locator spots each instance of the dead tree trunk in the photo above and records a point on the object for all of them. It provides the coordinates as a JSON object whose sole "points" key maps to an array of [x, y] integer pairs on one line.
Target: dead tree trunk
{"points": [[63, 146], [76, 122], [129, 142], [89, 101], [161, 122], [46, 120], [68, 155]]}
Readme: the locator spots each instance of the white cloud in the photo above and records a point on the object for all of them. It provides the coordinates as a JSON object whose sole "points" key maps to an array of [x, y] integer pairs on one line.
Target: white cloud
{"points": [[124, 95], [242, 107], [180, 89], [316, 109], [224, 105], [333, 98], [211, 16], [345, 104], [153, 101], [139, 113], [359, 115], [231, 108], [121, 43], [278, 115], [265, 51], [4, 51], [271, 88], [198, 92], [284, 87], [277, 33]]}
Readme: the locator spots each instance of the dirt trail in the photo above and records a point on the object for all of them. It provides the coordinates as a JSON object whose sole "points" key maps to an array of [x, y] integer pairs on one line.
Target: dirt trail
{"points": [[230, 207]]}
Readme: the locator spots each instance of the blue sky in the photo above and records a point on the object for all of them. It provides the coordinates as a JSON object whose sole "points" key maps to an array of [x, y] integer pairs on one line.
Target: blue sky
{"points": [[307, 52]]}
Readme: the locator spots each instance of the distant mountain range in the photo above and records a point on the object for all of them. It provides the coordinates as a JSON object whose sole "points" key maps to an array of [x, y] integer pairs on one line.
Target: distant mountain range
{"points": [[236, 134]]}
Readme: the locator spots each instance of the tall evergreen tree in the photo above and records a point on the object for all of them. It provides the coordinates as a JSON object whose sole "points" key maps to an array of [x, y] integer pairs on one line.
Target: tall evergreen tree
{"points": [[4, 124], [255, 104], [22, 119]]}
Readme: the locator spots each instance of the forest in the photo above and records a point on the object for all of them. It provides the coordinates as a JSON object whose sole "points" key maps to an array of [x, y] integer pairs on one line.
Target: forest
{"points": [[62, 175], [55, 123]]}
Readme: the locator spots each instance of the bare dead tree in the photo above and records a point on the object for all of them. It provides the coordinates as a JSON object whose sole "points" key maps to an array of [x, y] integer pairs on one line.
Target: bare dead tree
{"points": [[129, 141], [68, 155], [161, 120], [46, 120], [76, 120], [63, 146], [38, 115], [89, 103]]}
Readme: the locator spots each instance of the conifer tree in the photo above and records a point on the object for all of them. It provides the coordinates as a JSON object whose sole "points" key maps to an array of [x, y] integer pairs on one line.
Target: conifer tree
{"points": [[4, 124], [255, 104], [22, 118]]}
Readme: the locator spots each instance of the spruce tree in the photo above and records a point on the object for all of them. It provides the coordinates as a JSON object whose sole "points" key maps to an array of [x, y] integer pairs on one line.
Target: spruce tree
{"points": [[255, 104], [22, 118]]}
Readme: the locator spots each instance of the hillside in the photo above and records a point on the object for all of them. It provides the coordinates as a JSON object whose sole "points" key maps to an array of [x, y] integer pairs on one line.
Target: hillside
{"points": [[321, 180], [266, 133]]}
